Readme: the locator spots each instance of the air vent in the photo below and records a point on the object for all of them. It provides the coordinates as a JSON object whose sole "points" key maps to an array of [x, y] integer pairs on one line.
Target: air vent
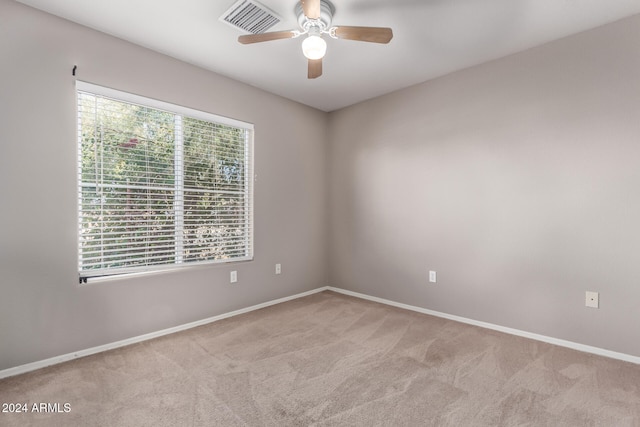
{"points": [[250, 16]]}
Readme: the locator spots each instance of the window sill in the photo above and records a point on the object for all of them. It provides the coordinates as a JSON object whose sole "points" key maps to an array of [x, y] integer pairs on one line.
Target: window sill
{"points": [[169, 269]]}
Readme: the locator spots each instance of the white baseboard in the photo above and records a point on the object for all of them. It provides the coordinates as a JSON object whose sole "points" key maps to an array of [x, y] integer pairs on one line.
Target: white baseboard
{"points": [[70, 356], [525, 334]]}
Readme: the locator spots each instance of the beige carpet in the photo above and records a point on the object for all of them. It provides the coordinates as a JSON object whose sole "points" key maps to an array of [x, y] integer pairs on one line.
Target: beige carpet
{"points": [[330, 360]]}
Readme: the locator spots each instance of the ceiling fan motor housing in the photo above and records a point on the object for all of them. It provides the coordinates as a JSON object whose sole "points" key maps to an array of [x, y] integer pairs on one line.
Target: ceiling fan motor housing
{"points": [[324, 21]]}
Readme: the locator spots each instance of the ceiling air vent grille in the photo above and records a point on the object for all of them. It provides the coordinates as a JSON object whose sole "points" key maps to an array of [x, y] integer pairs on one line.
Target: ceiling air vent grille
{"points": [[250, 16]]}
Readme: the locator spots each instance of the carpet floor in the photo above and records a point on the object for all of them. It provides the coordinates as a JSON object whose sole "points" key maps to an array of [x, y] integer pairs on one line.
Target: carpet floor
{"points": [[331, 360]]}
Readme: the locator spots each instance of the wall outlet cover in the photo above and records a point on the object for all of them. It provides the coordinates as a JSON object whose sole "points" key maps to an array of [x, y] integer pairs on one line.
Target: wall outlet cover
{"points": [[592, 299]]}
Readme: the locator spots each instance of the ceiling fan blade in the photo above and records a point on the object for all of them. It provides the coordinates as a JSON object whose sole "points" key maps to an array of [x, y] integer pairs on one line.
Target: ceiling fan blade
{"points": [[315, 68], [365, 34], [311, 8], [265, 37]]}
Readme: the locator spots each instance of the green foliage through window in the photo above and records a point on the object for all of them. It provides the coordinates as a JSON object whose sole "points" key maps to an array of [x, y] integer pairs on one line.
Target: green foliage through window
{"points": [[158, 188]]}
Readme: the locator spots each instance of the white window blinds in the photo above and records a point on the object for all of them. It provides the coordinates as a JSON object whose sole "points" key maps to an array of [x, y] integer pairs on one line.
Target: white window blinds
{"points": [[159, 185]]}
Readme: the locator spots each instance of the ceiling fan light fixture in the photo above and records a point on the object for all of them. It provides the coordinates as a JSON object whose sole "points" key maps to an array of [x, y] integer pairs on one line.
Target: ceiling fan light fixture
{"points": [[314, 47], [315, 18]]}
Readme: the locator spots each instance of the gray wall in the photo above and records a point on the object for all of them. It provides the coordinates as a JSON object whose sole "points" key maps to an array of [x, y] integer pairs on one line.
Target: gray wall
{"points": [[518, 181], [43, 311]]}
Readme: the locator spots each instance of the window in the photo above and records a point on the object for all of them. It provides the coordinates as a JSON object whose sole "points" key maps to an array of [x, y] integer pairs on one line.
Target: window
{"points": [[159, 185]]}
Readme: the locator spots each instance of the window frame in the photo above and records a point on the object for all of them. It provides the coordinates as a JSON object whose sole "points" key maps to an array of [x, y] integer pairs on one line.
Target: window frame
{"points": [[179, 111]]}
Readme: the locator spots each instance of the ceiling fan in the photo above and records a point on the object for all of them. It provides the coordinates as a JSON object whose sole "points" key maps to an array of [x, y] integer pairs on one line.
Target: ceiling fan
{"points": [[314, 18]]}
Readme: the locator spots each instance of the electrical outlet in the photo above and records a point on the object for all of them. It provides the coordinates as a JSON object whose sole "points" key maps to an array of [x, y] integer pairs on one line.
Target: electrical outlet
{"points": [[432, 276], [278, 268], [592, 299], [234, 276]]}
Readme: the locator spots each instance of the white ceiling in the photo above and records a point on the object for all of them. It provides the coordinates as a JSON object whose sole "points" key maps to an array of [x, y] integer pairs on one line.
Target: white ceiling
{"points": [[431, 38]]}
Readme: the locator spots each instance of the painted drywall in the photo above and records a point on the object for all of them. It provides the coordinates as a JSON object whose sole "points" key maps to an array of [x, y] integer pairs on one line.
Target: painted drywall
{"points": [[43, 311], [515, 180], [518, 181]]}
